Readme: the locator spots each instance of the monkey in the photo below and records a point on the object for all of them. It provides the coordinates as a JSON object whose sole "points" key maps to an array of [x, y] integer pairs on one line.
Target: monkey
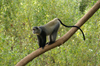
{"points": [[50, 29]]}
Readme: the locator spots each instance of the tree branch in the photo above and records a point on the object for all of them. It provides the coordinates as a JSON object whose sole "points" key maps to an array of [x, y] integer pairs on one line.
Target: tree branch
{"points": [[61, 40]]}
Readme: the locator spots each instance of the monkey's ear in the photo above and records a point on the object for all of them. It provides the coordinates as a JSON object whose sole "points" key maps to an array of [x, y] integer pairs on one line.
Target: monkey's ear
{"points": [[34, 28], [37, 27]]}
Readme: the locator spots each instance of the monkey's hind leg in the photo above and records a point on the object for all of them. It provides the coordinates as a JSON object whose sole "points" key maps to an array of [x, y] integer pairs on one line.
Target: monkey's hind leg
{"points": [[53, 37]]}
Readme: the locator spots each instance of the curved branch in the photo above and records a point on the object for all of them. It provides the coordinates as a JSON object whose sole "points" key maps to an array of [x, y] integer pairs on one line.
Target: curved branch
{"points": [[62, 40]]}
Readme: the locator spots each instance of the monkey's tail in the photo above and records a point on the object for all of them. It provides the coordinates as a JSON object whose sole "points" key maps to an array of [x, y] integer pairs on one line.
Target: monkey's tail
{"points": [[73, 26]]}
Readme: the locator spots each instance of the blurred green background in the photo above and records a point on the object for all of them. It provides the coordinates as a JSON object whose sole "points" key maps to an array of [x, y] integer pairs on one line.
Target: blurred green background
{"points": [[17, 17]]}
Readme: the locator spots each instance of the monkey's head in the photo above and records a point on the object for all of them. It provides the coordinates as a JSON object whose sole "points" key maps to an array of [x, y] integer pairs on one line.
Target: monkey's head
{"points": [[36, 30]]}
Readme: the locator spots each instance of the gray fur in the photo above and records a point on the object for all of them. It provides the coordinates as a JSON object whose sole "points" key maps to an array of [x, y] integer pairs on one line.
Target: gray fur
{"points": [[51, 26]]}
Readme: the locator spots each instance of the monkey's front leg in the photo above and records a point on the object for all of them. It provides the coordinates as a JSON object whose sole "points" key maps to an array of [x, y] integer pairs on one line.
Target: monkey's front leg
{"points": [[43, 38]]}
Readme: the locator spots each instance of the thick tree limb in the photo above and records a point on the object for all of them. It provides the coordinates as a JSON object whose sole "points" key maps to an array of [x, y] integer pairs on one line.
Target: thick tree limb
{"points": [[62, 40]]}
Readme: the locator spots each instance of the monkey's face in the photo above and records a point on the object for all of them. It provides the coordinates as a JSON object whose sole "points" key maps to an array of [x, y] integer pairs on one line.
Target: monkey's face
{"points": [[36, 30]]}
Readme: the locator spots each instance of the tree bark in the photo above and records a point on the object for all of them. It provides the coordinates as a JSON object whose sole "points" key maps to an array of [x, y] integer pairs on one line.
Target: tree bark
{"points": [[61, 40]]}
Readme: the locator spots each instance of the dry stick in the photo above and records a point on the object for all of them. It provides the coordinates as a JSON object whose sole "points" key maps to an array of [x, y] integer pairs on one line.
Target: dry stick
{"points": [[62, 40]]}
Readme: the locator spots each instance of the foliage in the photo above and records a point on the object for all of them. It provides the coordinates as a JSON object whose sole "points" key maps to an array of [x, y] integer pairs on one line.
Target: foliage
{"points": [[17, 17]]}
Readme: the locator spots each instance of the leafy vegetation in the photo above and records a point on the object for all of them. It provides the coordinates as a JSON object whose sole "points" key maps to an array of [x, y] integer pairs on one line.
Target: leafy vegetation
{"points": [[17, 17]]}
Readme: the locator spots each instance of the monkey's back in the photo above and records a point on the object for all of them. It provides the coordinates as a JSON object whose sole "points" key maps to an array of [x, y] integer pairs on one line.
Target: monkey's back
{"points": [[50, 26]]}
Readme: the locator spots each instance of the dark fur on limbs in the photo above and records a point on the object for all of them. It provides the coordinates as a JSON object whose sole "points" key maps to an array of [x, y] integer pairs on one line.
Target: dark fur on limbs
{"points": [[42, 39]]}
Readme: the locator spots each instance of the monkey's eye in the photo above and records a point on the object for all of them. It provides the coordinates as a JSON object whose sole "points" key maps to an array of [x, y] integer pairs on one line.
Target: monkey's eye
{"points": [[36, 27], [33, 29]]}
